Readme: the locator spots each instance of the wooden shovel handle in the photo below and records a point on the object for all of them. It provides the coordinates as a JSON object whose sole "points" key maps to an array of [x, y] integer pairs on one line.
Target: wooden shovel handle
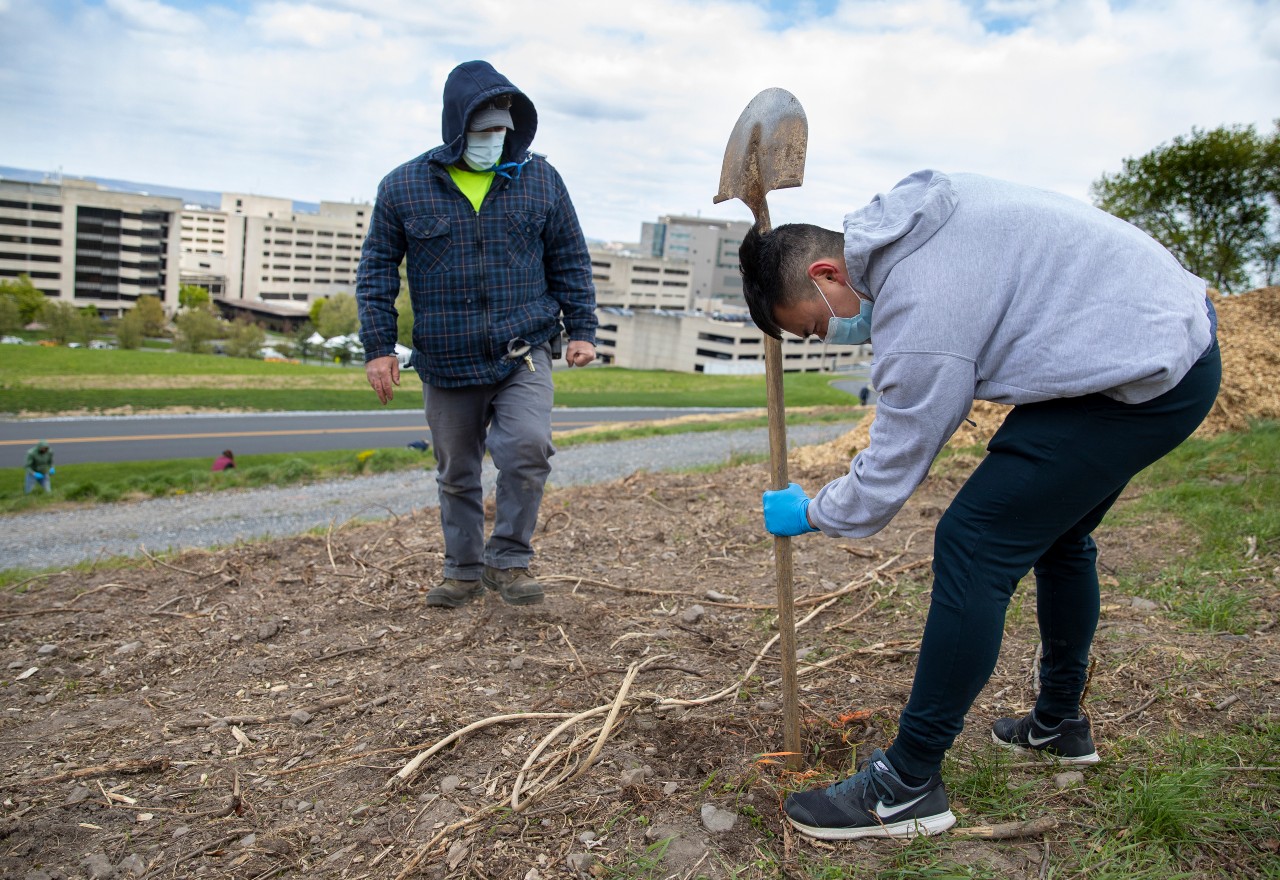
{"points": [[782, 555]]}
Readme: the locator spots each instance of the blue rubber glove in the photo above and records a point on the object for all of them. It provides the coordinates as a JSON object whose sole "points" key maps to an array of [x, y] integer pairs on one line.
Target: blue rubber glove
{"points": [[52, 471], [37, 475], [786, 511]]}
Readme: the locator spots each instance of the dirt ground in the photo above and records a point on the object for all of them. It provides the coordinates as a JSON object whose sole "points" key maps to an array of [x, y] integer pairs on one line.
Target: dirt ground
{"points": [[254, 712], [292, 708]]}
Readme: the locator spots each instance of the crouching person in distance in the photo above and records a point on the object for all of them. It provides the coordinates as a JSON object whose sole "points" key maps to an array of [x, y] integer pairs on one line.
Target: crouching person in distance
{"points": [[986, 290]]}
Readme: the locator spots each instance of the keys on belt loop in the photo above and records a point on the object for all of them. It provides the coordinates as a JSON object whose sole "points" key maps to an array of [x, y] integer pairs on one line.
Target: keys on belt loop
{"points": [[518, 349]]}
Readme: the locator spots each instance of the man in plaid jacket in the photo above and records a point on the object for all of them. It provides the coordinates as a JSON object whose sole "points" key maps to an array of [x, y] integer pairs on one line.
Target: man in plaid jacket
{"points": [[496, 261]]}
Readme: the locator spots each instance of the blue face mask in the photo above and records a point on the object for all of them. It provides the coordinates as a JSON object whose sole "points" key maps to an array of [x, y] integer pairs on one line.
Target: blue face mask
{"points": [[848, 331]]}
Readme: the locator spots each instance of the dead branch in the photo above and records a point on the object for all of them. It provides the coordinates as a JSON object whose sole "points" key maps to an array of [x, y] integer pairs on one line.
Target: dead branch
{"points": [[1138, 711], [152, 765], [581, 666], [186, 857], [80, 596], [409, 770], [880, 649], [591, 582], [143, 549], [360, 561], [40, 611], [13, 588], [876, 599], [546, 523], [342, 653], [1008, 830], [264, 719]]}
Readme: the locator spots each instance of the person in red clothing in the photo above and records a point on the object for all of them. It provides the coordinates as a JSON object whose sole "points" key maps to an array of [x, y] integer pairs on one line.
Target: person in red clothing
{"points": [[225, 461]]}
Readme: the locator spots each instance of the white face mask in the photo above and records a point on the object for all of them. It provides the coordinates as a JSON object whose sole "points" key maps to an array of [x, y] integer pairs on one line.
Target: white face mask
{"points": [[484, 149]]}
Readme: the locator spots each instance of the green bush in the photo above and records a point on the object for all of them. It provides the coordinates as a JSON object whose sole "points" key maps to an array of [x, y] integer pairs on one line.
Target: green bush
{"points": [[295, 469], [81, 491], [259, 475]]}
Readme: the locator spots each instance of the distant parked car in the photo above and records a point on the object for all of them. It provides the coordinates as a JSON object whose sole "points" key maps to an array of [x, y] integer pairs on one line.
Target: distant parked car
{"points": [[12, 340], [75, 345], [100, 345]]}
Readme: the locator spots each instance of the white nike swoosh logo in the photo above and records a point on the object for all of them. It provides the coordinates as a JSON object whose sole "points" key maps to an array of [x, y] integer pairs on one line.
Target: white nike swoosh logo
{"points": [[885, 813], [1041, 740]]}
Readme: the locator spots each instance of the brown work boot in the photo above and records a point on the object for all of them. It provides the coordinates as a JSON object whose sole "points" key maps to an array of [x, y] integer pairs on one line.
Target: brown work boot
{"points": [[515, 585], [451, 593]]}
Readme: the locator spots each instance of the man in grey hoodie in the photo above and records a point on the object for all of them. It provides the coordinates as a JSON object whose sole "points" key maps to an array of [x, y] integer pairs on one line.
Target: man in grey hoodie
{"points": [[987, 290]]}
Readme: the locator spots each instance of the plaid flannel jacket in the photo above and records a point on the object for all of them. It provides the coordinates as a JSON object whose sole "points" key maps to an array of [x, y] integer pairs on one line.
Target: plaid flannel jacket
{"points": [[477, 281]]}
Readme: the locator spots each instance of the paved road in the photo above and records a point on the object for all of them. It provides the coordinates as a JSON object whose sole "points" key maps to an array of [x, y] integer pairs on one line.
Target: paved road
{"points": [[145, 438]]}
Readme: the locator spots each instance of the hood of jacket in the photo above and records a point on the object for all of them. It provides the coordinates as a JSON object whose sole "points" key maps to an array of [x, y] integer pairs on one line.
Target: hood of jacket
{"points": [[893, 225], [469, 86]]}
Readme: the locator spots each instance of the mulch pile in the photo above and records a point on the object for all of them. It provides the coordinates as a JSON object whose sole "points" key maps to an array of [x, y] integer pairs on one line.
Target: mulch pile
{"points": [[1249, 334]]}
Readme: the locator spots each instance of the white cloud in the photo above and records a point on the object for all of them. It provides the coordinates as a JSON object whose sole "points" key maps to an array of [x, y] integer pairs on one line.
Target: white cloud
{"points": [[312, 26], [153, 15], [319, 99]]}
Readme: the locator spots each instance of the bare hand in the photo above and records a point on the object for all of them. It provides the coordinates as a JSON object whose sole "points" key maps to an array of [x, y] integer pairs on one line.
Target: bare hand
{"points": [[580, 353], [383, 373]]}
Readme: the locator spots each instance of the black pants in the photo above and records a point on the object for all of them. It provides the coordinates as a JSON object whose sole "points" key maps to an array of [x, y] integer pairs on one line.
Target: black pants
{"points": [[1052, 472]]}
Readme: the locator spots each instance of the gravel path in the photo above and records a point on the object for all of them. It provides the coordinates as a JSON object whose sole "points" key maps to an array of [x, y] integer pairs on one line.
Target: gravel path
{"points": [[219, 518]]}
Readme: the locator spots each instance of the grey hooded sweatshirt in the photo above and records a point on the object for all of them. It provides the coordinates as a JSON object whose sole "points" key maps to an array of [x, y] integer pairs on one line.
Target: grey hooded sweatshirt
{"points": [[989, 290]]}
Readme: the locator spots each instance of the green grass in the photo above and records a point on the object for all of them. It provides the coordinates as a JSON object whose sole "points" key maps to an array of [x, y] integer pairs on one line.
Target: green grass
{"points": [[138, 479], [614, 386], [38, 379], [1227, 489], [1226, 493]]}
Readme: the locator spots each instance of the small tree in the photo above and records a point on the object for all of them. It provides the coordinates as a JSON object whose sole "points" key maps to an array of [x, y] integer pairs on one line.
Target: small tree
{"points": [[245, 339], [197, 328], [129, 330], [151, 311], [193, 296], [62, 321], [338, 316], [10, 315], [28, 298], [313, 313], [300, 337], [87, 323]]}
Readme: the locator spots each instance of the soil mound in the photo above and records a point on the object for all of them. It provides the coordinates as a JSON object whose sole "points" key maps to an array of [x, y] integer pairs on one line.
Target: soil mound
{"points": [[1248, 332]]}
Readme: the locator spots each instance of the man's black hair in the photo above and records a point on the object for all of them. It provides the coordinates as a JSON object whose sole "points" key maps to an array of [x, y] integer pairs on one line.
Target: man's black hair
{"points": [[775, 264]]}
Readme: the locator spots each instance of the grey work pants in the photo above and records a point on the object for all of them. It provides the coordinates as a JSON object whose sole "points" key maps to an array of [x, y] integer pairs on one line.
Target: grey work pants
{"points": [[512, 419]]}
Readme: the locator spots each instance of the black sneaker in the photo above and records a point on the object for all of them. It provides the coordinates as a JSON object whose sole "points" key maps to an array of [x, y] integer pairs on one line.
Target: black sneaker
{"points": [[1071, 742], [874, 802]]}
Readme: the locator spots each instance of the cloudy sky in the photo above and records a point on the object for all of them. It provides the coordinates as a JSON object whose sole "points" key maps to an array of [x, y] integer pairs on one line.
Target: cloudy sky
{"points": [[318, 99]]}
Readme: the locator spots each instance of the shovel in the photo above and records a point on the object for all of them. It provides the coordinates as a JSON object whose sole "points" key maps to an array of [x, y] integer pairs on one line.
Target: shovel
{"points": [[766, 152]]}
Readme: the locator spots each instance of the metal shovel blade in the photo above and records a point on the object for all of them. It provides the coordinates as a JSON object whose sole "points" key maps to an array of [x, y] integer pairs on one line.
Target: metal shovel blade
{"points": [[765, 152]]}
